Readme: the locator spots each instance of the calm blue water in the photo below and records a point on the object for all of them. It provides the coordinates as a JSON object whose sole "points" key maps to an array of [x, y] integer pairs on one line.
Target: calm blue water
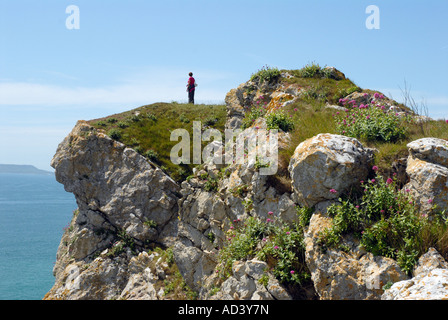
{"points": [[34, 209]]}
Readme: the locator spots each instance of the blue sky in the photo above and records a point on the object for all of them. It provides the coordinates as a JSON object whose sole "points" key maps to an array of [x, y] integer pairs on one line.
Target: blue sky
{"points": [[131, 53]]}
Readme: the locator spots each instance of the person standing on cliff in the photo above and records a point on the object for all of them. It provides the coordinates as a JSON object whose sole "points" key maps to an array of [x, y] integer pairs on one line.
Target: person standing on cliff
{"points": [[191, 87]]}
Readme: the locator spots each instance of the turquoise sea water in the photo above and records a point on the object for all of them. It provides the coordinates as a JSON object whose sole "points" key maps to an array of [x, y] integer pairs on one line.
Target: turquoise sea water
{"points": [[34, 209]]}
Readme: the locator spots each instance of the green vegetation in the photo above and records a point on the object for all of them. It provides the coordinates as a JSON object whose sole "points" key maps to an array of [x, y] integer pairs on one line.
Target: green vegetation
{"points": [[266, 73], [372, 122], [388, 223], [147, 130], [173, 285], [279, 120], [278, 244]]}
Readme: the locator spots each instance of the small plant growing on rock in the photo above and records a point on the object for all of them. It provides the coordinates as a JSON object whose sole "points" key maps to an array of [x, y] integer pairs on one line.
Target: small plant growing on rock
{"points": [[279, 120], [270, 240], [386, 221], [266, 73]]}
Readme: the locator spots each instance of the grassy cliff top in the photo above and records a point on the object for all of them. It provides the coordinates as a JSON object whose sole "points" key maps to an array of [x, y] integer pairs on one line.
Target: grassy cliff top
{"points": [[147, 129]]}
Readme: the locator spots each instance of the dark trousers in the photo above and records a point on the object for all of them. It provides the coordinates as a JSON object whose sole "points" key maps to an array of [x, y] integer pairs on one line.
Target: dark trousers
{"points": [[191, 96]]}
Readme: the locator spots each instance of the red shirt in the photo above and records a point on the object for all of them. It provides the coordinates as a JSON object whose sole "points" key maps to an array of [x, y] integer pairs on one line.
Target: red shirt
{"points": [[191, 84]]}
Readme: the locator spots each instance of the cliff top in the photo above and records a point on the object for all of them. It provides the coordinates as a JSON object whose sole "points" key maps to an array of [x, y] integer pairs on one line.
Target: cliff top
{"points": [[309, 101]]}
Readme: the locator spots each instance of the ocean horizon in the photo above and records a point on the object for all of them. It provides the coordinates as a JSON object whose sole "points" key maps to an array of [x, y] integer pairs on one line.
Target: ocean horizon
{"points": [[34, 209]]}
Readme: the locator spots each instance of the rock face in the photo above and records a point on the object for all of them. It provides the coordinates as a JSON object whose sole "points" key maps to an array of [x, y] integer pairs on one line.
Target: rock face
{"points": [[430, 281], [338, 275], [245, 284], [325, 166], [428, 172], [205, 216], [124, 203], [274, 94]]}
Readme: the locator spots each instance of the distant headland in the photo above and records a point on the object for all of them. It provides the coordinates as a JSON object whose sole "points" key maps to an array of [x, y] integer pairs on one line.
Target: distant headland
{"points": [[24, 169]]}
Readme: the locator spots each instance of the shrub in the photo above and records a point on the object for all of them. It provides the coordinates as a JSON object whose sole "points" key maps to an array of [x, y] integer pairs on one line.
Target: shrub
{"points": [[152, 155], [211, 121], [386, 221], [151, 116], [371, 123], [279, 120], [211, 184], [114, 134], [251, 116], [311, 70], [280, 245], [136, 117], [266, 73], [123, 124]]}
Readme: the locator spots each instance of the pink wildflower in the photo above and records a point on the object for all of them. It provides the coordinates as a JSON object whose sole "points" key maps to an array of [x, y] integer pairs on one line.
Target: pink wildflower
{"points": [[333, 191], [375, 168], [389, 181]]}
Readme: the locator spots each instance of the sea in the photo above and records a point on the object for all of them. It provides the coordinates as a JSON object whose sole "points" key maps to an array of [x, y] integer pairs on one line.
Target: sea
{"points": [[34, 209]]}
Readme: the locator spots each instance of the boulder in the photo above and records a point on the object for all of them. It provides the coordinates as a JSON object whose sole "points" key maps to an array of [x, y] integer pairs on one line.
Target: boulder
{"points": [[429, 261], [327, 165], [334, 73], [429, 283], [432, 150], [245, 283], [427, 168]]}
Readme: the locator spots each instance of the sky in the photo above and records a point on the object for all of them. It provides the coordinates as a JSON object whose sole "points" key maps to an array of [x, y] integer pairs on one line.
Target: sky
{"points": [[58, 66]]}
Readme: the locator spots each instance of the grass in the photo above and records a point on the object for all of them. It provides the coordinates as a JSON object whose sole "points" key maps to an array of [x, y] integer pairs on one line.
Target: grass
{"points": [[310, 117], [147, 130]]}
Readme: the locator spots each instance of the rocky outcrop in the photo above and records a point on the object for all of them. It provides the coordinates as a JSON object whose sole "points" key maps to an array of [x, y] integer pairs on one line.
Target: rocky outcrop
{"points": [[324, 167], [125, 203], [246, 283], [205, 216], [353, 275], [430, 281], [427, 167], [127, 206], [275, 93]]}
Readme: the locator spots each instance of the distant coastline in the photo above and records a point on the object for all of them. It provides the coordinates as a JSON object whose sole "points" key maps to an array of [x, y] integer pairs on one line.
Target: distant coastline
{"points": [[23, 169]]}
